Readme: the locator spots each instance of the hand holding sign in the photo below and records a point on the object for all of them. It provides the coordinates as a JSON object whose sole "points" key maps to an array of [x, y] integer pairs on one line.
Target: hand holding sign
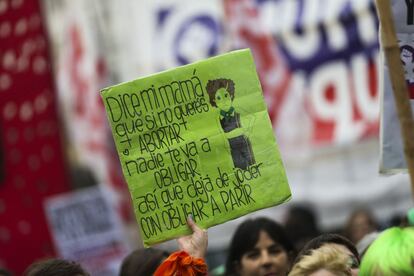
{"points": [[190, 260], [196, 140], [196, 243]]}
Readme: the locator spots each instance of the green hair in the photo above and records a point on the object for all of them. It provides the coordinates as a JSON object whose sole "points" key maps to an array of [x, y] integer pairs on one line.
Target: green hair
{"points": [[392, 253]]}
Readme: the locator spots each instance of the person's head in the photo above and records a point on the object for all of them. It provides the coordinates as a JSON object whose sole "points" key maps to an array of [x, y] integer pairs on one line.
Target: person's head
{"points": [[221, 93], [360, 223], [324, 261], [4, 272], [142, 262], [406, 54], [301, 224], [391, 254], [55, 267], [258, 247], [332, 240]]}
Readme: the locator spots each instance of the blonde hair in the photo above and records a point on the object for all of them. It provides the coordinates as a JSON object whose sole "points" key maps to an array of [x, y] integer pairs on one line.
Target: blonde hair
{"points": [[325, 257]]}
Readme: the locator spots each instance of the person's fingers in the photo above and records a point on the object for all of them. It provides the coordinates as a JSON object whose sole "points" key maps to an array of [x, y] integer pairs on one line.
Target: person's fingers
{"points": [[192, 224], [181, 242], [196, 229]]}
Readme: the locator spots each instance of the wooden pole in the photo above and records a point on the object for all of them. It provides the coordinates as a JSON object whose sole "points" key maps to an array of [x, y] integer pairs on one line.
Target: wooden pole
{"points": [[399, 86]]}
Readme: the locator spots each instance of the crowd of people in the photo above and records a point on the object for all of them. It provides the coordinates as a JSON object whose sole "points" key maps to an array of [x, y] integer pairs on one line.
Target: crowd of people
{"points": [[261, 246]]}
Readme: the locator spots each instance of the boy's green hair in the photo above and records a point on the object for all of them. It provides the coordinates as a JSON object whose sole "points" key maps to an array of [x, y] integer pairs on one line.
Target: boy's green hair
{"points": [[392, 253]]}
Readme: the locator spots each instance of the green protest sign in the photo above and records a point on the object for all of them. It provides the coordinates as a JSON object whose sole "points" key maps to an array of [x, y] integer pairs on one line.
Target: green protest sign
{"points": [[196, 140]]}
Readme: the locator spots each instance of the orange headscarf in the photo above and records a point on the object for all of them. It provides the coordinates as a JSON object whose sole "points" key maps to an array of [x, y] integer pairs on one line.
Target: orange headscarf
{"points": [[182, 264]]}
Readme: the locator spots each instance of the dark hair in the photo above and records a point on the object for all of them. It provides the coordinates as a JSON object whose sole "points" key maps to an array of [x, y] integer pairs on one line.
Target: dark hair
{"points": [[55, 267], [301, 224], [325, 239], [410, 49], [4, 272], [247, 235], [142, 262], [214, 85], [348, 231]]}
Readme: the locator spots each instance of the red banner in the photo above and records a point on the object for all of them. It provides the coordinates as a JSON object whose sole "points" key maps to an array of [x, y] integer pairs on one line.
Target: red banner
{"points": [[33, 164]]}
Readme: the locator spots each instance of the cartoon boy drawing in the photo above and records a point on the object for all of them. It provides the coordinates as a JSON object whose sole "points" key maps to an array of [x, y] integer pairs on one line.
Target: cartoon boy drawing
{"points": [[221, 94], [407, 58]]}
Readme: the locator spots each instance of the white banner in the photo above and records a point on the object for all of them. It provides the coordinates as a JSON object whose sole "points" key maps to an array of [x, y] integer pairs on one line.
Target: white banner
{"points": [[81, 69], [392, 155], [85, 228]]}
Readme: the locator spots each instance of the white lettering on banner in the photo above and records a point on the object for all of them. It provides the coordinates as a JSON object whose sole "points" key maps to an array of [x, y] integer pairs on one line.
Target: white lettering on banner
{"points": [[310, 36], [337, 107], [337, 38], [310, 13], [278, 17], [333, 99], [366, 24], [334, 76], [367, 100], [295, 43], [309, 19], [269, 21]]}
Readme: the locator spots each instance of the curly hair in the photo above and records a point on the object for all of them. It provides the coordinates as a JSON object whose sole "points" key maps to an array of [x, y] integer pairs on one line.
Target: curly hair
{"points": [[214, 85]]}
